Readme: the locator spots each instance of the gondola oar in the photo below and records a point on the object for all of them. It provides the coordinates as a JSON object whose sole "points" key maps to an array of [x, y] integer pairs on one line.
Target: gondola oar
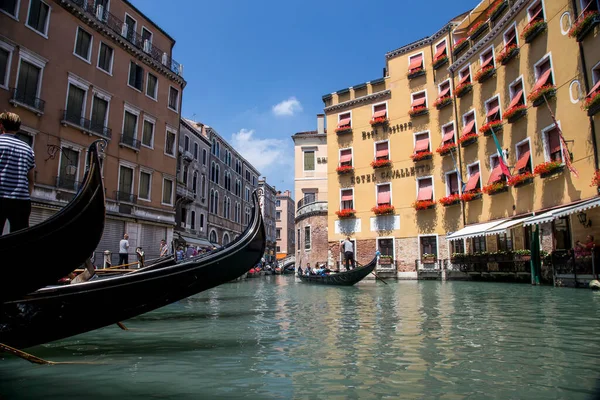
{"points": [[373, 272], [36, 360]]}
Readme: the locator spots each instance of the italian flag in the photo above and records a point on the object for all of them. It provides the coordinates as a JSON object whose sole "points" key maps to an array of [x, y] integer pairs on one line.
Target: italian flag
{"points": [[503, 166]]}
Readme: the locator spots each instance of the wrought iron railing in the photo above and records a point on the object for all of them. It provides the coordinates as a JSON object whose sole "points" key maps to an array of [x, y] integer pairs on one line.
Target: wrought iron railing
{"points": [[115, 24], [130, 141], [34, 102], [125, 197], [310, 198], [67, 182], [95, 127]]}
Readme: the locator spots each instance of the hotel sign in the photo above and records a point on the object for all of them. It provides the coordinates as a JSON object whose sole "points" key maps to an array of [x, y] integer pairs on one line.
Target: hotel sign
{"points": [[389, 174], [387, 129]]}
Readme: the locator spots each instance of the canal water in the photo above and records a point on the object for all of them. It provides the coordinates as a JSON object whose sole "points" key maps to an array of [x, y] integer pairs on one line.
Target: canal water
{"points": [[274, 338]]}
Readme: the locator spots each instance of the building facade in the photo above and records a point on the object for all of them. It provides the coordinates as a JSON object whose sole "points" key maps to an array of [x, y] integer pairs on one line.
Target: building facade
{"points": [[429, 168], [113, 68], [284, 224], [267, 198], [192, 183], [231, 182], [311, 190]]}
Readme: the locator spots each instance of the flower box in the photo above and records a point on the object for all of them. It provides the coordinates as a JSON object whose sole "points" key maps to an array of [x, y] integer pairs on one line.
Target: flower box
{"points": [[383, 260], [507, 54], [515, 113], [343, 129], [344, 169], [417, 112], [415, 73], [463, 89], [484, 74], [445, 149], [549, 168], [441, 60], [584, 25], [459, 47], [537, 98], [496, 9], [476, 30], [596, 179], [378, 121], [470, 196], [421, 156], [420, 205], [522, 257], [456, 258], [521, 179], [383, 210], [450, 200], [495, 188], [467, 140], [443, 102], [592, 104], [381, 164], [346, 213], [428, 258], [532, 30], [496, 126]]}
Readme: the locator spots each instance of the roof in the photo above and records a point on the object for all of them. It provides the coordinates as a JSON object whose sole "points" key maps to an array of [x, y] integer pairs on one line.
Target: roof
{"points": [[308, 133], [191, 125], [149, 20]]}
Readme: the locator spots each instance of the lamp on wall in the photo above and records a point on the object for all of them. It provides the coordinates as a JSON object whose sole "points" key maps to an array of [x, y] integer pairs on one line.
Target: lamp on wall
{"points": [[583, 220]]}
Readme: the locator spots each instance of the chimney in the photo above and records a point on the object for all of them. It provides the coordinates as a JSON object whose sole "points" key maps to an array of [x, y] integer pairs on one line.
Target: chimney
{"points": [[320, 123]]}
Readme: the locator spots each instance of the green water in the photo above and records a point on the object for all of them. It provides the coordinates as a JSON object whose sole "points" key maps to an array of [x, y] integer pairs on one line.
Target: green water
{"points": [[274, 338]]}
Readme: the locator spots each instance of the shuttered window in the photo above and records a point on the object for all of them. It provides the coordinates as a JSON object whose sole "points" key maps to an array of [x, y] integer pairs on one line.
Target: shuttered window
{"points": [[309, 160], [145, 180], [105, 58]]}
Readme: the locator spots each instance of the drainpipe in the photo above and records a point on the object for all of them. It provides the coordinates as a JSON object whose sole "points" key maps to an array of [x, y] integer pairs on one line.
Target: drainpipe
{"points": [[587, 90]]}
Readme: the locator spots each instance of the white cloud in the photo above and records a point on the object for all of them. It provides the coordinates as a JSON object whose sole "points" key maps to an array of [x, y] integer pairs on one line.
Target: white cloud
{"points": [[266, 155], [287, 107]]}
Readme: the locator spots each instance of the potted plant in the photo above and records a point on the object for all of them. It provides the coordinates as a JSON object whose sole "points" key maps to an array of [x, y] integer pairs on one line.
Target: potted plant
{"points": [[463, 89], [522, 255], [416, 72], [381, 163], [385, 260], [515, 113], [427, 258], [450, 200], [537, 97], [471, 195], [421, 156], [383, 210], [485, 73], [420, 205], [439, 61], [378, 121], [456, 258], [496, 9], [418, 111], [459, 46], [442, 102], [344, 169], [592, 104], [533, 29], [468, 139], [584, 24], [522, 179], [346, 213], [507, 54], [496, 126], [549, 168], [343, 129], [495, 188], [477, 29], [445, 149]]}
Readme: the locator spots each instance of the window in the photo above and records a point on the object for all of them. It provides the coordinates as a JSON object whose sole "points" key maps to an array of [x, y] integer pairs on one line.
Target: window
{"points": [[201, 222], [451, 183], [278, 249], [9, 7], [203, 187], [238, 188], [523, 157], [213, 237], [152, 86], [552, 145], [75, 104], [203, 156], [148, 133], [345, 157], [478, 244], [196, 148], [105, 58], [469, 123], [136, 76], [247, 216], [505, 242], [99, 116], [448, 133], [595, 79], [424, 189], [146, 40], [130, 121], [428, 245], [419, 101], [26, 137], [195, 182], [486, 59], [440, 51], [535, 12], [384, 194], [278, 215], [211, 201], [145, 182], [193, 220], [170, 143], [380, 111], [492, 109], [457, 246], [309, 160], [382, 150], [167, 197], [186, 143], [517, 95], [510, 36], [29, 84], [67, 173], [497, 174], [185, 174], [83, 44], [278, 203], [421, 142], [129, 28], [344, 121], [346, 199], [415, 63], [278, 233], [39, 14], [247, 194], [561, 232], [474, 183], [5, 57], [248, 176], [173, 99], [298, 239], [125, 183], [444, 89], [307, 238], [464, 75], [589, 5], [543, 73]]}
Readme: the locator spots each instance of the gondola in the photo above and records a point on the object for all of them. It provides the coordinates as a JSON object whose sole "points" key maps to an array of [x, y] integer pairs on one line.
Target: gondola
{"points": [[23, 267], [54, 313], [347, 278]]}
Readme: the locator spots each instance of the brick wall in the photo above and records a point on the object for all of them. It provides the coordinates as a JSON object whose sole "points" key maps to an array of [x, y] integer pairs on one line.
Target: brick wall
{"points": [[318, 252]]}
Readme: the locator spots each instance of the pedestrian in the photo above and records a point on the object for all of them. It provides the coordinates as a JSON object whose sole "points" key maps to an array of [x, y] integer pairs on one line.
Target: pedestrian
{"points": [[164, 249], [348, 248], [17, 163], [124, 250]]}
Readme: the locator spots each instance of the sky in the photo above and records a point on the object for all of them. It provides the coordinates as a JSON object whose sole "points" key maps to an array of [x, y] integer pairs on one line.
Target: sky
{"points": [[256, 70]]}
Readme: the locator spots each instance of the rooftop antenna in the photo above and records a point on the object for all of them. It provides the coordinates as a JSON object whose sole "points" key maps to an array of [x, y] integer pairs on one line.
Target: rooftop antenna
{"points": [[194, 117]]}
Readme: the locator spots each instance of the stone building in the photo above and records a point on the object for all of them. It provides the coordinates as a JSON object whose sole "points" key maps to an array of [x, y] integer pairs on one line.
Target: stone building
{"points": [[267, 198], [192, 183], [310, 187], [231, 182], [112, 66], [284, 224], [415, 169]]}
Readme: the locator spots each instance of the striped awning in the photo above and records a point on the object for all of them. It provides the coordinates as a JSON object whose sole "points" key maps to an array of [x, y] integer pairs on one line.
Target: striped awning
{"points": [[505, 226], [475, 230], [550, 216]]}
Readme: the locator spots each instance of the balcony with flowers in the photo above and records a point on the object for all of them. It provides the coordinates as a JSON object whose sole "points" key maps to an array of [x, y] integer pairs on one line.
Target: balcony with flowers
{"points": [[487, 69], [515, 113], [450, 200], [507, 54], [584, 24], [421, 156], [497, 181], [549, 168], [460, 46], [496, 9], [477, 29], [345, 166], [492, 126], [346, 213], [592, 101], [596, 179], [379, 116], [536, 24], [472, 188], [415, 68], [425, 199], [344, 169], [471, 195], [344, 126], [446, 148], [537, 97], [521, 179], [523, 175], [421, 205], [421, 151], [419, 105], [381, 163], [383, 209], [464, 85], [441, 56], [442, 102], [469, 134]]}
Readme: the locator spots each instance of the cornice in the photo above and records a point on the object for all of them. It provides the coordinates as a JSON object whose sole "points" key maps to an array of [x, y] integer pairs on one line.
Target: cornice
{"points": [[359, 100], [420, 43], [496, 30]]}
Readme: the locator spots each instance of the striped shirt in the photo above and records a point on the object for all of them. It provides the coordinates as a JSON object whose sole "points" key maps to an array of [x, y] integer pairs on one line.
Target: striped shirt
{"points": [[16, 159]]}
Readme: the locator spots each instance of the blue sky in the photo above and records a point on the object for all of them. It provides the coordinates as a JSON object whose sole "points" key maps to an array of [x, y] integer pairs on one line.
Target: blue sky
{"points": [[256, 70]]}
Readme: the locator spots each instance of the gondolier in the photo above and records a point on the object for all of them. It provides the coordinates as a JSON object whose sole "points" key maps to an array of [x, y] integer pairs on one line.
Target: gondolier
{"points": [[348, 253], [17, 163]]}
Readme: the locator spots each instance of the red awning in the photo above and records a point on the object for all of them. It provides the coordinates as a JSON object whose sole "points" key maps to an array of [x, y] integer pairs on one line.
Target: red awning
{"points": [[444, 92], [553, 141], [472, 183], [346, 156], [379, 114], [344, 122], [440, 50], [383, 195], [522, 161], [381, 150], [468, 128], [487, 61], [418, 102], [448, 136], [416, 62], [542, 80], [464, 78], [493, 111], [422, 144], [425, 192], [495, 175], [596, 88], [515, 101], [347, 195], [511, 38]]}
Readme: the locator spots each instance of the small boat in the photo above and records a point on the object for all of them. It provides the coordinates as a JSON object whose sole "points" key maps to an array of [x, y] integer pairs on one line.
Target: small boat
{"points": [[347, 278], [82, 220], [54, 313]]}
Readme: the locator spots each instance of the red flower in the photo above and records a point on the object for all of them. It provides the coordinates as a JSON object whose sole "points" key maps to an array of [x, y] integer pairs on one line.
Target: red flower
{"points": [[345, 128], [494, 7], [476, 26], [449, 200], [442, 101], [421, 155], [458, 43], [417, 111], [423, 204], [514, 110], [548, 90], [530, 27], [517, 179], [507, 52], [381, 163], [494, 187], [344, 169], [471, 195], [460, 89], [414, 71], [547, 167], [346, 213], [440, 59], [466, 137], [383, 210], [378, 120], [591, 100], [446, 148], [483, 72], [582, 22], [596, 179], [495, 125]]}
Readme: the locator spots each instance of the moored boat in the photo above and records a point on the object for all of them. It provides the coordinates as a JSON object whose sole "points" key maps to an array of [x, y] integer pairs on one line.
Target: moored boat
{"points": [[346, 278]]}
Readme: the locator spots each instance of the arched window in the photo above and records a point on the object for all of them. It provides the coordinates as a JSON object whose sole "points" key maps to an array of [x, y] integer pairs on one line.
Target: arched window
{"points": [[212, 171], [211, 202], [193, 220], [216, 210], [225, 239], [203, 156], [218, 149], [213, 237], [185, 175], [225, 207], [203, 186], [217, 173], [195, 182], [214, 147]]}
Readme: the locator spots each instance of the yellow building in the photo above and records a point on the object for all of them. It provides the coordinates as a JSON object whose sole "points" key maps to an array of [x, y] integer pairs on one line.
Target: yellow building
{"points": [[419, 139]]}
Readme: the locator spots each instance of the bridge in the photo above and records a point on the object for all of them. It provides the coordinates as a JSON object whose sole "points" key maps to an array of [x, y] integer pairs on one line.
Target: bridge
{"points": [[286, 262]]}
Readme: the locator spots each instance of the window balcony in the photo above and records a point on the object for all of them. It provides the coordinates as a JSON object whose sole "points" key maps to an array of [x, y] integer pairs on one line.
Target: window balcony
{"points": [[185, 193], [67, 183], [125, 197], [311, 203], [86, 126], [129, 141], [27, 101]]}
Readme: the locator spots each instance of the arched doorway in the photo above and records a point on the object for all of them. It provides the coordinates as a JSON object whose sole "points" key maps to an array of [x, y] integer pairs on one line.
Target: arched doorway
{"points": [[225, 239], [213, 236]]}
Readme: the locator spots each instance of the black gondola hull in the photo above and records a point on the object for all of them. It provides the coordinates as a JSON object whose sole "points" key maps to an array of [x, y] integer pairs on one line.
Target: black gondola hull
{"points": [[347, 278]]}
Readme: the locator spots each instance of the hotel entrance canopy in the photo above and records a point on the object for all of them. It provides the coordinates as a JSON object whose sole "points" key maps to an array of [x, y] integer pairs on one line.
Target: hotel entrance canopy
{"points": [[550, 216], [474, 230]]}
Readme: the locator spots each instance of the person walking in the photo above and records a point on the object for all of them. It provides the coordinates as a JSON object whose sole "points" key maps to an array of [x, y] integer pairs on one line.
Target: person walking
{"points": [[348, 248], [17, 163], [124, 250]]}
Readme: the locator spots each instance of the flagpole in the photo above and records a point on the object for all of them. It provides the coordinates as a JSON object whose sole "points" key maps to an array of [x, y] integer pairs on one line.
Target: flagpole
{"points": [[565, 150]]}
